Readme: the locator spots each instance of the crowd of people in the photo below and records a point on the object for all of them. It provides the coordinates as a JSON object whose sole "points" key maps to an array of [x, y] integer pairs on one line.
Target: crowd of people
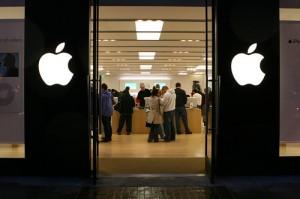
{"points": [[164, 109]]}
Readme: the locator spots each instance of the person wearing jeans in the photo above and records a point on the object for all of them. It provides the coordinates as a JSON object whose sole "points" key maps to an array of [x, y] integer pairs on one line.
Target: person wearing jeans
{"points": [[168, 103], [106, 112], [180, 111]]}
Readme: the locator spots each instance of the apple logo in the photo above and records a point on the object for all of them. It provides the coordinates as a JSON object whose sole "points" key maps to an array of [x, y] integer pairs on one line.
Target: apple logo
{"points": [[246, 68], [54, 68]]}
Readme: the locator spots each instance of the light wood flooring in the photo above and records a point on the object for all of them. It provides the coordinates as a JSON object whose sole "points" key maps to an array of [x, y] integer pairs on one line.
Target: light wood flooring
{"points": [[290, 149], [136, 145], [132, 154], [12, 151]]}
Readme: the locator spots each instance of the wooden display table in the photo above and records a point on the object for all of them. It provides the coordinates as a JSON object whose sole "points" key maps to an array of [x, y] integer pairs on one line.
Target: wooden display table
{"points": [[139, 121], [194, 120]]}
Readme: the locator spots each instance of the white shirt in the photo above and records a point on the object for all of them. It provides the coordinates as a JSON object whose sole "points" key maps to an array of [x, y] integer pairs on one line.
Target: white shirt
{"points": [[199, 98], [168, 101]]}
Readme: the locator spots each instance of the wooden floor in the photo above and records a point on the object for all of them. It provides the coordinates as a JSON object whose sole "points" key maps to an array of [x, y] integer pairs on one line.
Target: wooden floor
{"points": [[290, 149], [12, 151], [132, 154], [136, 145]]}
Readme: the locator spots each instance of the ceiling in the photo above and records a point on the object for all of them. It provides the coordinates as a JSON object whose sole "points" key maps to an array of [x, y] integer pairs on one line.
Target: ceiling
{"points": [[119, 46]]}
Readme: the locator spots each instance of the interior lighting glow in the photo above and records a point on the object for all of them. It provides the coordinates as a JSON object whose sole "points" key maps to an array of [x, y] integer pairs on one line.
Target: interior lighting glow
{"points": [[145, 78], [198, 73], [145, 67], [147, 55], [191, 69], [149, 29], [145, 73], [182, 73]]}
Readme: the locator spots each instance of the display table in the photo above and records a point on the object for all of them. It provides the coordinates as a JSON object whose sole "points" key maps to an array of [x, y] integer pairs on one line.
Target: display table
{"points": [[139, 121]]}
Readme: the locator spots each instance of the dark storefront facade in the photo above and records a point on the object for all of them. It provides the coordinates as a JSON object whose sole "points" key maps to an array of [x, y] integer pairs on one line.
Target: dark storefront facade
{"points": [[245, 122]]}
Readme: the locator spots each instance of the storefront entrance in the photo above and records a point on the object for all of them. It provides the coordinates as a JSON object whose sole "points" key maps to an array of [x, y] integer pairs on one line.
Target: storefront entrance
{"points": [[180, 51]]}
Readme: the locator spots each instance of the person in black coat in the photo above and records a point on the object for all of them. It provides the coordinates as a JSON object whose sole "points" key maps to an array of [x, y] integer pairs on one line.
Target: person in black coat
{"points": [[126, 109], [180, 111]]}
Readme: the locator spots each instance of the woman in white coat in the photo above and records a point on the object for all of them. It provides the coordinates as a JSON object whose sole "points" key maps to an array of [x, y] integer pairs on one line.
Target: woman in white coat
{"points": [[155, 117]]}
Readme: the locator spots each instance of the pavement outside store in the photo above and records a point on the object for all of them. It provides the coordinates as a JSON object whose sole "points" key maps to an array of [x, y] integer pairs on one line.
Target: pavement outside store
{"points": [[284, 187]]}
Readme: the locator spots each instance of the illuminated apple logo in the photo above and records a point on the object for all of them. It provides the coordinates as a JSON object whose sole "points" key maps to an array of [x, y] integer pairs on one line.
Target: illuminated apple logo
{"points": [[54, 68], [246, 68]]}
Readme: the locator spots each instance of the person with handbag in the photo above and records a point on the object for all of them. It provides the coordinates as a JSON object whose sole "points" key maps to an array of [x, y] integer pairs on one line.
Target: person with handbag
{"points": [[154, 117]]}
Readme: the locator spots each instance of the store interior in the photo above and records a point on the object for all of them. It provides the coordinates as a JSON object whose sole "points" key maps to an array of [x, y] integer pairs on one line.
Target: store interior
{"points": [[130, 55], [179, 57]]}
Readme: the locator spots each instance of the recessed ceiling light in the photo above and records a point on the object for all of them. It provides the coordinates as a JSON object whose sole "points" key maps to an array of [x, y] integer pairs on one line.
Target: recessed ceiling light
{"points": [[183, 40], [202, 67], [149, 29], [197, 40], [198, 73], [145, 67], [168, 65], [108, 73], [190, 40], [124, 68], [147, 55], [191, 69], [175, 59], [145, 73], [112, 40], [182, 73], [105, 40], [145, 78]]}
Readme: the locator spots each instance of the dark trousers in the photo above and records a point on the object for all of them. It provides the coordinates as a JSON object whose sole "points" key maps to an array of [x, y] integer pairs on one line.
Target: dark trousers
{"points": [[180, 112], [106, 121], [169, 125], [128, 119], [153, 135]]}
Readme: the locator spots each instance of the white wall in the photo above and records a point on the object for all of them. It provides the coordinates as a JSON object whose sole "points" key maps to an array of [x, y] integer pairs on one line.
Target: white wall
{"points": [[186, 81]]}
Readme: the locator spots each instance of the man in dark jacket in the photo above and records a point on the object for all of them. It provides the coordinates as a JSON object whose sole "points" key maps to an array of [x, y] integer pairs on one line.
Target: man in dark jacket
{"points": [[180, 111], [106, 112], [126, 110], [142, 94]]}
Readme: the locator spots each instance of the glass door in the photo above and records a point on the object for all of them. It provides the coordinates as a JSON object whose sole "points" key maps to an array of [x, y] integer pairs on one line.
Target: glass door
{"points": [[95, 92], [210, 94]]}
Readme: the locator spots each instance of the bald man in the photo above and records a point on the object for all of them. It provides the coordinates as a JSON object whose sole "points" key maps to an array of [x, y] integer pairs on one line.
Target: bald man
{"points": [[142, 94]]}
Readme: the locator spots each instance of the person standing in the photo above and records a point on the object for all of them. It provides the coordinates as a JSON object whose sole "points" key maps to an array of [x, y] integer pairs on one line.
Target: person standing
{"points": [[198, 96], [141, 94], [126, 110], [180, 111], [168, 102], [106, 112], [156, 117]]}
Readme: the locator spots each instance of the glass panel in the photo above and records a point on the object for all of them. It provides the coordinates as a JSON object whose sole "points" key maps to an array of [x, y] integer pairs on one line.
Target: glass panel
{"points": [[209, 90], [289, 79], [289, 86], [12, 80]]}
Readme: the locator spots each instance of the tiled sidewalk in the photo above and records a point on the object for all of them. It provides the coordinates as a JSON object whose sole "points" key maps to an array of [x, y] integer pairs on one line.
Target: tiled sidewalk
{"points": [[150, 188]]}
